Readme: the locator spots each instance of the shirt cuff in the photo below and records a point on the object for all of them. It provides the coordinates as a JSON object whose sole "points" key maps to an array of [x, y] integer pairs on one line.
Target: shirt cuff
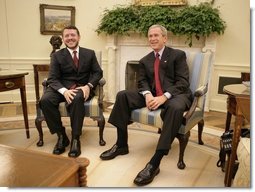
{"points": [[145, 92], [90, 85], [62, 90], [168, 95]]}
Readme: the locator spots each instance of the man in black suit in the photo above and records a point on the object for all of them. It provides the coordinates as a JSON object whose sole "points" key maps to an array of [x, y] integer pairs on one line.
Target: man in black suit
{"points": [[172, 94], [74, 71]]}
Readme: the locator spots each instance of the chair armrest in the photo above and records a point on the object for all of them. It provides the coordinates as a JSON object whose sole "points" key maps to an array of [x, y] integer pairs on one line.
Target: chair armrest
{"points": [[101, 91], [102, 82], [201, 91], [198, 93], [44, 84]]}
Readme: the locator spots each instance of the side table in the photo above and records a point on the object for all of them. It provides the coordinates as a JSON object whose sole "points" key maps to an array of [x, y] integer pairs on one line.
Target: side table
{"points": [[240, 95], [231, 102], [10, 80]]}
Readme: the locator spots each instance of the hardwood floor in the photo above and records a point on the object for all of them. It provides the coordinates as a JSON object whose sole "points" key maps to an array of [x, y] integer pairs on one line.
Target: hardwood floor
{"points": [[216, 119]]}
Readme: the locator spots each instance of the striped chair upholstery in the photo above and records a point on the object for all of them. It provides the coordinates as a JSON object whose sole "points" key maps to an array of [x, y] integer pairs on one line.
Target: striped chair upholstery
{"points": [[199, 67], [93, 108]]}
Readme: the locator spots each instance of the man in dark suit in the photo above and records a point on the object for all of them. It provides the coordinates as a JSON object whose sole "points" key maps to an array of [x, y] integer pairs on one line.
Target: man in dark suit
{"points": [[170, 92], [74, 71]]}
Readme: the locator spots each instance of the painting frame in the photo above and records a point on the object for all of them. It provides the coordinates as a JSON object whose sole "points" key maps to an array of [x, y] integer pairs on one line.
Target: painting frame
{"points": [[160, 2], [53, 18]]}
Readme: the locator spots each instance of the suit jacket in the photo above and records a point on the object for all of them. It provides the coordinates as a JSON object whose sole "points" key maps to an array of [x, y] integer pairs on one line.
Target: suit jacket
{"points": [[173, 72], [63, 72]]}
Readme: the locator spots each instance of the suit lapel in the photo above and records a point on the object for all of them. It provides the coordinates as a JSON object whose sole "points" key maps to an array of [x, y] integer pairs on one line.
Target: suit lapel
{"points": [[151, 61], [69, 59], [163, 61], [81, 58]]}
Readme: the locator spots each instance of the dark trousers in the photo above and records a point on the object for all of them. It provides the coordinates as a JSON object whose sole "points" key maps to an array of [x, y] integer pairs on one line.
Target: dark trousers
{"points": [[49, 104], [171, 114]]}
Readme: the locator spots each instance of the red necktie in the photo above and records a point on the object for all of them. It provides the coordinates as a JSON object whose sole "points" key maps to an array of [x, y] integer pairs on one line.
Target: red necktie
{"points": [[159, 91], [75, 59]]}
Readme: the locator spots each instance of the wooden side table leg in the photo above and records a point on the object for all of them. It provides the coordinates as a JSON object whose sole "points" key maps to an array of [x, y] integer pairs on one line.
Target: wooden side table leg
{"points": [[232, 158], [24, 108]]}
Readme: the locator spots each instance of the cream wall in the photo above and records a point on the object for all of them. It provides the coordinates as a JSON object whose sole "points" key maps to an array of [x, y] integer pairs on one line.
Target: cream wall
{"points": [[233, 48], [20, 26], [22, 44]]}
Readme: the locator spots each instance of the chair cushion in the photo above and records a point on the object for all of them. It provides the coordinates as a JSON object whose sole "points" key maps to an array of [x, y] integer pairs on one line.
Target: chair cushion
{"points": [[145, 116], [153, 118], [92, 108]]}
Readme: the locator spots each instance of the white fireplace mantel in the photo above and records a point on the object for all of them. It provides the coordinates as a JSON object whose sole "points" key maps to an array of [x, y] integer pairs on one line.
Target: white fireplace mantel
{"points": [[121, 49]]}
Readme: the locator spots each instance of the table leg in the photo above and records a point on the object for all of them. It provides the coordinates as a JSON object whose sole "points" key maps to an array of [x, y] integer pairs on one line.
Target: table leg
{"points": [[232, 158], [24, 108]]}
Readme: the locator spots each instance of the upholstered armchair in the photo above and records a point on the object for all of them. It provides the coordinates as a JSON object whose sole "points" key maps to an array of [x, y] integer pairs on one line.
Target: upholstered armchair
{"points": [[93, 107], [199, 65]]}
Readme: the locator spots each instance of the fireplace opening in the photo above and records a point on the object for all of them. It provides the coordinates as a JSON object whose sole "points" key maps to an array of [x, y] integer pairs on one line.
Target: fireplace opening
{"points": [[131, 75]]}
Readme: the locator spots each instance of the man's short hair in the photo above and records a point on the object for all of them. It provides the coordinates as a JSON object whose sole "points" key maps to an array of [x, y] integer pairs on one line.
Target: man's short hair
{"points": [[71, 27], [163, 29]]}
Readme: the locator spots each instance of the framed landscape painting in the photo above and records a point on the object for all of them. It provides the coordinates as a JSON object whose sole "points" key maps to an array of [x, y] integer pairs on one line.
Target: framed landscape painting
{"points": [[54, 18]]}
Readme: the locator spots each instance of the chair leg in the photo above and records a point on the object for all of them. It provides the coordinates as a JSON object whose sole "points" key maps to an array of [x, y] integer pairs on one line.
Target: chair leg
{"points": [[200, 131], [38, 124], [101, 125], [183, 141]]}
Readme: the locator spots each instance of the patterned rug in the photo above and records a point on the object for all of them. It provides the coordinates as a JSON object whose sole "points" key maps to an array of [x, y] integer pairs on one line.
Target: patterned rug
{"points": [[210, 136]]}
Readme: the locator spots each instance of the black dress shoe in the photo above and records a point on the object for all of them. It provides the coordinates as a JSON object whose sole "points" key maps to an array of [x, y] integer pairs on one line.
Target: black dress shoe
{"points": [[113, 152], [75, 149], [61, 144], [147, 175]]}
